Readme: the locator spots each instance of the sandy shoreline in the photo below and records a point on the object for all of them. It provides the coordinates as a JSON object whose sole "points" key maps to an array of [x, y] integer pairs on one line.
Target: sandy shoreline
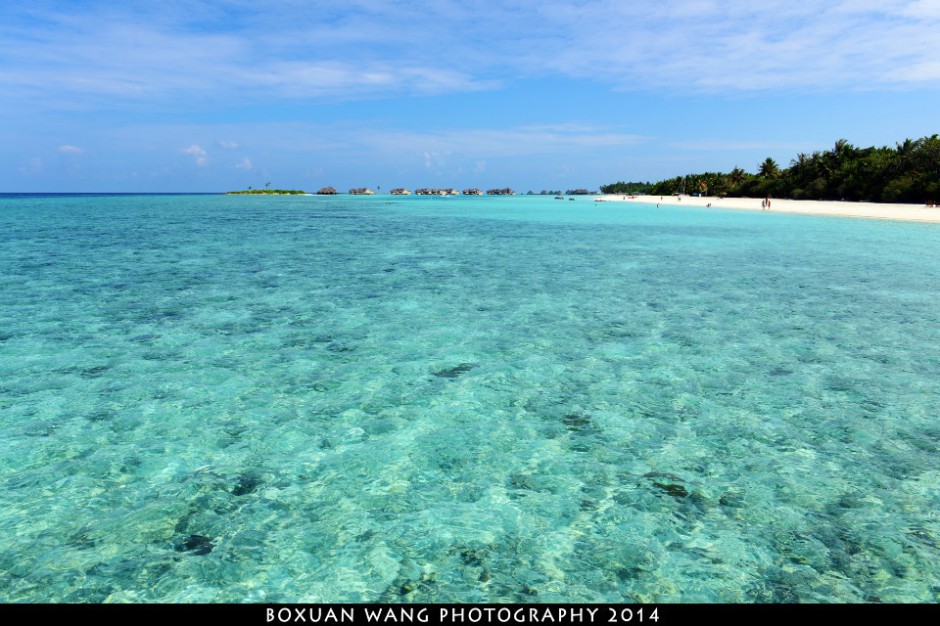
{"points": [[870, 210]]}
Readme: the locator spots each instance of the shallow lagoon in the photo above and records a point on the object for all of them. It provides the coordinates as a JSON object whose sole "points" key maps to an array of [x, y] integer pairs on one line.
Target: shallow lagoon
{"points": [[227, 399]]}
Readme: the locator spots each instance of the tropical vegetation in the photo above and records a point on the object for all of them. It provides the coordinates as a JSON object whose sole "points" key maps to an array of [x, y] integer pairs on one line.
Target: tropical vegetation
{"points": [[267, 192], [626, 189], [908, 172]]}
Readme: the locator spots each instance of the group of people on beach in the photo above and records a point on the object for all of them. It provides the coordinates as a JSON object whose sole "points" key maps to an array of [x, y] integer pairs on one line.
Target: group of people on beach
{"points": [[764, 204]]}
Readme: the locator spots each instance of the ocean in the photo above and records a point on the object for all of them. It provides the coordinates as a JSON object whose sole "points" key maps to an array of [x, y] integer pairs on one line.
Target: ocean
{"points": [[499, 399]]}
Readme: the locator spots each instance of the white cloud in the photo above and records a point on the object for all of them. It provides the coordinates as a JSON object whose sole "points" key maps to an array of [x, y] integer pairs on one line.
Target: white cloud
{"points": [[198, 154], [739, 46], [347, 80], [245, 164], [236, 53], [69, 149], [924, 72], [228, 145], [922, 9]]}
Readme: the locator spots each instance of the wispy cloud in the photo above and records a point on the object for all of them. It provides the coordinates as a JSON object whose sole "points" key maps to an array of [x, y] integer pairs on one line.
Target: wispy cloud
{"points": [[184, 53], [199, 154], [922, 9], [245, 164], [231, 51], [740, 46], [335, 79], [70, 149]]}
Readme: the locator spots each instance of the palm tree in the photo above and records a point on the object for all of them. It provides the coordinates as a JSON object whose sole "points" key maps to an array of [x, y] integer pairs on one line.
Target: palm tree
{"points": [[841, 151], [841, 148], [799, 162], [904, 153], [768, 169]]}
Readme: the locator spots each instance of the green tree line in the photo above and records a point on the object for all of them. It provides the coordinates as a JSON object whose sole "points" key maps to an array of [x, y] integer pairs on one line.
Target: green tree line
{"points": [[908, 172], [267, 192]]}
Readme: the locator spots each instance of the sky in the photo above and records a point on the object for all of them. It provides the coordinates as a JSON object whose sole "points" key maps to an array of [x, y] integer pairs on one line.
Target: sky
{"points": [[195, 96]]}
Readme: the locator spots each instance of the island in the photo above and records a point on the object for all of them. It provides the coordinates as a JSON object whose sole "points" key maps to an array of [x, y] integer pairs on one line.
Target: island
{"points": [[906, 173], [267, 192]]}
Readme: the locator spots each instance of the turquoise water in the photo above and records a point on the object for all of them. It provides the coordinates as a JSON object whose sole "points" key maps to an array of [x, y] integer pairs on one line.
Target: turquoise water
{"points": [[227, 399]]}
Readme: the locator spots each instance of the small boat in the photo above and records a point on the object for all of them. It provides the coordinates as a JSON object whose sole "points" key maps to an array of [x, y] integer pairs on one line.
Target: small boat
{"points": [[559, 198]]}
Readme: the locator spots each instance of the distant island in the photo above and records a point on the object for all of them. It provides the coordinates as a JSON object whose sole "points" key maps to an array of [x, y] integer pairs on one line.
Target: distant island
{"points": [[365, 191], [267, 192], [906, 173]]}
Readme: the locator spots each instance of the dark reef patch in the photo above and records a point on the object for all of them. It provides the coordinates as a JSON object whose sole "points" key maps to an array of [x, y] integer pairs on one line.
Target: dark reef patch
{"points": [[673, 489], [245, 484], [576, 422], [94, 372], [454, 372], [196, 544]]}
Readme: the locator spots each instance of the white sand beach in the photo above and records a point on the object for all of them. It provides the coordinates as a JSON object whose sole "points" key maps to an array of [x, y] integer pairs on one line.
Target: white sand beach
{"points": [[905, 212]]}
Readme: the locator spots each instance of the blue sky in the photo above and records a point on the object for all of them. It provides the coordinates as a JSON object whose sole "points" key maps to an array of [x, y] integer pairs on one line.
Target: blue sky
{"points": [[543, 94]]}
